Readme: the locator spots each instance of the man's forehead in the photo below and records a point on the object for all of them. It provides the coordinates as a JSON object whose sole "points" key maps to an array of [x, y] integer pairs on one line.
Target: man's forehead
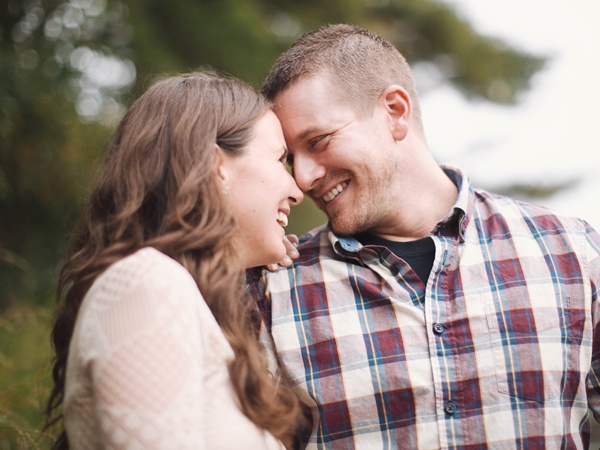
{"points": [[307, 84]]}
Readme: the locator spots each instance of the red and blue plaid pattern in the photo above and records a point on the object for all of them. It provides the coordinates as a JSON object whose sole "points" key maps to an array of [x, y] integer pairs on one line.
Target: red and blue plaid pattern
{"points": [[497, 351]]}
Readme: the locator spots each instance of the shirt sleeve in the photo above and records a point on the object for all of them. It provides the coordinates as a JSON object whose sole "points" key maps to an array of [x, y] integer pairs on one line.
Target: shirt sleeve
{"points": [[593, 382], [147, 371]]}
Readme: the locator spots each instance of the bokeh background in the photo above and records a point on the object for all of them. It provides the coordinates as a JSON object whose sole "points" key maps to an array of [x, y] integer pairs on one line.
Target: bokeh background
{"points": [[508, 89]]}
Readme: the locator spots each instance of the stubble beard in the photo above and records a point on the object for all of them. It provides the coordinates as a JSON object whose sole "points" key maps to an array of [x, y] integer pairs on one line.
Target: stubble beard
{"points": [[368, 213], [370, 210], [347, 223]]}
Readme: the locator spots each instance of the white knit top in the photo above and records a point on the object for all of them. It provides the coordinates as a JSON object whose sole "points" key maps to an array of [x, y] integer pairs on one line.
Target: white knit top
{"points": [[147, 365]]}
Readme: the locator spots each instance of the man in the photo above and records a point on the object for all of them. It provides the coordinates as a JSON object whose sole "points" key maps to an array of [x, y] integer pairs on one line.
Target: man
{"points": [[426, 314]]}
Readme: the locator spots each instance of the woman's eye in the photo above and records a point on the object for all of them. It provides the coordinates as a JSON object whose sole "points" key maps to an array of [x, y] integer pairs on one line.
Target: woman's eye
{"points": [[286, 158]]}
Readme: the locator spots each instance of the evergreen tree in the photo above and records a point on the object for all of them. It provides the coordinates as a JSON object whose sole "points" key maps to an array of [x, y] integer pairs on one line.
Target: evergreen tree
{"points": [[68, 68]]}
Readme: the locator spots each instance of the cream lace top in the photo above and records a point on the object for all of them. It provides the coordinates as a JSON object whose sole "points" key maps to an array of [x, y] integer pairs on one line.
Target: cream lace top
{"points": [[147, 365]]}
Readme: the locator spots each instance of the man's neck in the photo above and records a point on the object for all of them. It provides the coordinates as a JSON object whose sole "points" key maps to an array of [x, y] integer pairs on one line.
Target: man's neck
{"points": [[422, 211]]}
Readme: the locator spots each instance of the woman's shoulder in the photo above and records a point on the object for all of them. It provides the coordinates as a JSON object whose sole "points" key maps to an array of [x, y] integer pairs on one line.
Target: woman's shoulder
{"points": [[146, 266], [147, 261], [146, 274], [139, 295]]}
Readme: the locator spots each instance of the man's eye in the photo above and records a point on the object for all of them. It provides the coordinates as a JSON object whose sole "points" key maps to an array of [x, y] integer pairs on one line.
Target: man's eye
{"points": [[319, 142], [314, 141], [290, 160]]}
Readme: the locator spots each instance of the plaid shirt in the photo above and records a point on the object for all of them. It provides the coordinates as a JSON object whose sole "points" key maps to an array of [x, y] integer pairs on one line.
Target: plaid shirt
{"points": [[497, 351]]}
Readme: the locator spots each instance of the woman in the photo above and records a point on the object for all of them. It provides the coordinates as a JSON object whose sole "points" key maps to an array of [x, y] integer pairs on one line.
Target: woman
{"points": [[153, 346]]}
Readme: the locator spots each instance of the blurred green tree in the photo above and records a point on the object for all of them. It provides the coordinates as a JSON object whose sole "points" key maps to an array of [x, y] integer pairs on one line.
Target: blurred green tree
{"points": [[46, 137], [68, 68]]}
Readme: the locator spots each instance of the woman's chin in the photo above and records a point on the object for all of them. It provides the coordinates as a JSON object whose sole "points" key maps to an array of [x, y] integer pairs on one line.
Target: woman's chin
{"points": [[273, 258]]}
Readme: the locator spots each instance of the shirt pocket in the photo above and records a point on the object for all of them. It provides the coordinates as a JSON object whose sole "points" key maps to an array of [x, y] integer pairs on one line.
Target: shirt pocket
{"points": [[530, 349]]}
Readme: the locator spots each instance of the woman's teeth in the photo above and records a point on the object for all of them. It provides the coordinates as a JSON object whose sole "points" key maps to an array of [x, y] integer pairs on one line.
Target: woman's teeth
{"points": [[334, 192], [282, 219]]}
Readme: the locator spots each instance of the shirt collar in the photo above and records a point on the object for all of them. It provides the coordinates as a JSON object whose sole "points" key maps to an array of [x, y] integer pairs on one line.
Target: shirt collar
{"points": [[457, 218], [343, 246]]}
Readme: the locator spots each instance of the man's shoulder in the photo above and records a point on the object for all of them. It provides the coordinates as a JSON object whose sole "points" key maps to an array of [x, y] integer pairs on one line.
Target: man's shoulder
{"points": [[529, 213]]}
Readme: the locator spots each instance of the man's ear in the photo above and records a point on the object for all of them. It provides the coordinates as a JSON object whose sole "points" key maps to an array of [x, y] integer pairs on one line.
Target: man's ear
{"points": [[398, 107]]}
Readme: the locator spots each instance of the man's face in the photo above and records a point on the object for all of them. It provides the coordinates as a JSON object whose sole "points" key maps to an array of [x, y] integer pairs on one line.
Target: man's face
{"points": [[344, 162]]}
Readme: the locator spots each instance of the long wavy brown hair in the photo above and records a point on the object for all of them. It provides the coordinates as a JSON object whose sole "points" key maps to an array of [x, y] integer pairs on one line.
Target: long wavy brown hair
{"points": [[159, 188]]}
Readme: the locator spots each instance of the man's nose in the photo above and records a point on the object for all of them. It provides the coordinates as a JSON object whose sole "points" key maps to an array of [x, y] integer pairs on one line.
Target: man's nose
{"points": [[307, 171]]}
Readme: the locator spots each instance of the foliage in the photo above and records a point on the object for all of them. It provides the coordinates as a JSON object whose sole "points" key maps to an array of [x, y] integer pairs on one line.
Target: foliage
{"points": [[244, 38], [24, 376], [46, 151], [479, 66], [69, 67]]}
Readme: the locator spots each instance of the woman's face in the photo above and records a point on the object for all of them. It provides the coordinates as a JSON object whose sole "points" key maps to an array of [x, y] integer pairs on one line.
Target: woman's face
{"points": [[261, 192]]}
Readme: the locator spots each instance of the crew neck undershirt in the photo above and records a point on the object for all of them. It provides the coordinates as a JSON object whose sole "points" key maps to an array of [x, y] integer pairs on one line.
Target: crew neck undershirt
{"points": [[419, 254]]}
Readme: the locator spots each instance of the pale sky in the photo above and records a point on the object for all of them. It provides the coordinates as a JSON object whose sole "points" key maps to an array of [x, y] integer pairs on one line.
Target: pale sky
{"points": [[552, 134]]}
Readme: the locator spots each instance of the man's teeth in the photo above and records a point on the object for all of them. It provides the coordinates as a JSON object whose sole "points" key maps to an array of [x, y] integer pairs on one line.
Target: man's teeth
{"points": [[282, 219], [335, 192]]}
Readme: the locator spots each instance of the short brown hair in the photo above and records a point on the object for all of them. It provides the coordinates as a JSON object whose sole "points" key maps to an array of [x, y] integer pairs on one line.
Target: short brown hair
{"points": [[361, 63]]}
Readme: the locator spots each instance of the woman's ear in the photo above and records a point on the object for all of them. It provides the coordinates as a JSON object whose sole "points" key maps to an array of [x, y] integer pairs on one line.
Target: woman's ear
{"points": [[398, 107], [220, 161]]}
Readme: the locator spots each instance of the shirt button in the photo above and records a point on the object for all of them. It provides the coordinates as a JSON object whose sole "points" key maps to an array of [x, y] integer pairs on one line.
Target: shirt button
{"points": [[450, 408], [438, 328]]}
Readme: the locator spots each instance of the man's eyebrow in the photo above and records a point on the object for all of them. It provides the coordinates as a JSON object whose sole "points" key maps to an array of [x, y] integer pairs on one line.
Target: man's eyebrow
{"points": [[308, 131]]}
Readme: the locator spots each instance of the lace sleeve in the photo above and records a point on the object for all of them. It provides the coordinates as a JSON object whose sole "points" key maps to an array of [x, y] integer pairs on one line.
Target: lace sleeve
{"points": [[147, 372]]}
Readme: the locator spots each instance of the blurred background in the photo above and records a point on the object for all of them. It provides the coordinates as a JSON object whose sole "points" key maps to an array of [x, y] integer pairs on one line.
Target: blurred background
{"points": [[508, 90]]}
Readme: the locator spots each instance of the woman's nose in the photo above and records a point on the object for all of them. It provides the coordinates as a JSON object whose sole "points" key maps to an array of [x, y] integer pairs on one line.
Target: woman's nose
{"points": [[296, 194]]}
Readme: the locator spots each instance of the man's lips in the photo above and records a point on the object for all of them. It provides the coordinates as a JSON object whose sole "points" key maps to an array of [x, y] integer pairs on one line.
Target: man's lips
{"points": [[337, 190]]}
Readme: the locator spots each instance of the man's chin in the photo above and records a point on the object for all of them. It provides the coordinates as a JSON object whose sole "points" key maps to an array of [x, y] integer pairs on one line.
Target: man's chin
{"points": [[341, 222], [344, 228]]}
